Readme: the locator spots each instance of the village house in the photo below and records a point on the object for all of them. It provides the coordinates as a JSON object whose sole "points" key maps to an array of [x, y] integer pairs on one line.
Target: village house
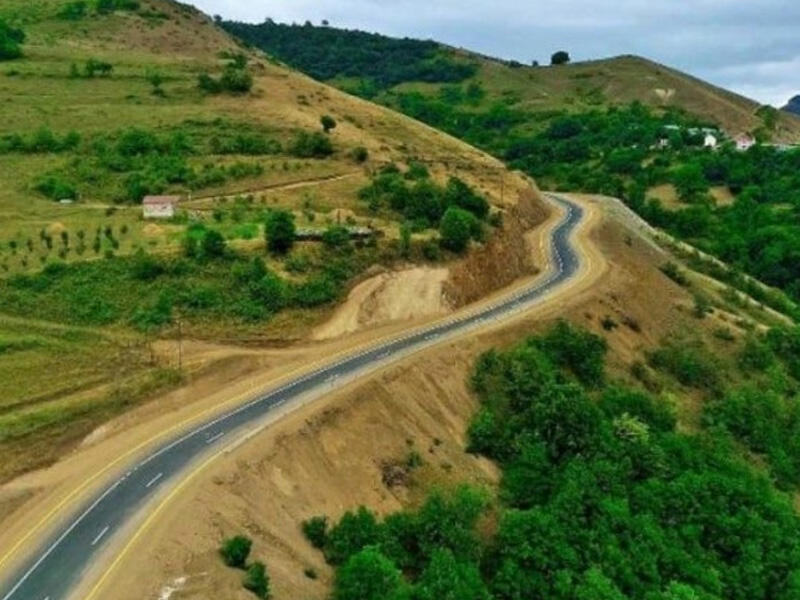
{"points": [[744, 141], [159, 207], [710, 141]]}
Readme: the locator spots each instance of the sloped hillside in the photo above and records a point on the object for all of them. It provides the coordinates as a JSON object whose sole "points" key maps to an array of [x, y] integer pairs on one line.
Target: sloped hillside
{"points": [[112, 100], [367, 64]]}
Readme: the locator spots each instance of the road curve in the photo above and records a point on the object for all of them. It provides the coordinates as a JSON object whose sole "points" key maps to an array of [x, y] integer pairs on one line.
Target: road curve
{"points": [[53, 571]]}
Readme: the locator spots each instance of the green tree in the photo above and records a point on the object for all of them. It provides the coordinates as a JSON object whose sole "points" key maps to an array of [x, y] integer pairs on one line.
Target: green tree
{"points": [[235, 550], [213, 244], [560, 58], [279, 231], [328, 123], [447, 579], [257, 581], [368, 575], [354, 532], [596, 586], [456, 229]]}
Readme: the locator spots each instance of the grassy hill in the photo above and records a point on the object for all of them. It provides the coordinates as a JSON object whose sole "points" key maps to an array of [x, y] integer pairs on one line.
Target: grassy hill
{"points": [[106, 101], [625, 127], [378, 66]]}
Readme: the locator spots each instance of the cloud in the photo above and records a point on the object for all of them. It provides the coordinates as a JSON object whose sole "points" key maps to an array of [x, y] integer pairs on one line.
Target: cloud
{"points": [[750, 46]]}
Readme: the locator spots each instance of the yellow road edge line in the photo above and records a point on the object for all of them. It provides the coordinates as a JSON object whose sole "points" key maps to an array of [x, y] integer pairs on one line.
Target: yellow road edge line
{"points": [[195, 418], [309, 368], [143, 527]]}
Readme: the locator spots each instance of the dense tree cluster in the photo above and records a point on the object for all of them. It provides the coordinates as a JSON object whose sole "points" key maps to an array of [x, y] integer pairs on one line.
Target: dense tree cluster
{"points": [[601, 499], [137, 162], [456, 209], [377, 61]]}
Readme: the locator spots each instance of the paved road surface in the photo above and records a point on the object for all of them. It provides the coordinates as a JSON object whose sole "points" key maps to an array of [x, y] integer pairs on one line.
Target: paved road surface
{"points": [[56, 568]]}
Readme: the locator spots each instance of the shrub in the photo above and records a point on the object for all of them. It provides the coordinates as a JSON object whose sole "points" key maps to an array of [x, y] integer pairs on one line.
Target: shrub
{"points": [[311, 145], [11, 40], [257, 581], [336, 237], [235, 550], [328, 123], [56, 188], [690, 363], [208, 84], [674, 272], [94, 66], [236, 81], [360, 154], [73, 11], [316, 531]]}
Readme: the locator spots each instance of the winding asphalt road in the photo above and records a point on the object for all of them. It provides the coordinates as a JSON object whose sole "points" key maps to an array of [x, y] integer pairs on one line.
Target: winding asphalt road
{"points": [[53, 571]]}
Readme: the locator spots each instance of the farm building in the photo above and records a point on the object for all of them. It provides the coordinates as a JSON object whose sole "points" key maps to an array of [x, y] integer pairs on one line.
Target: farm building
{"points": [[159, 207], [710, 141], [744, 141]]}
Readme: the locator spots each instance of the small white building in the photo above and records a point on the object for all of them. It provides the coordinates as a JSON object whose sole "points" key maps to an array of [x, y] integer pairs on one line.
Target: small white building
{"points": [[710, 141], [159, 207], [744, 141]]}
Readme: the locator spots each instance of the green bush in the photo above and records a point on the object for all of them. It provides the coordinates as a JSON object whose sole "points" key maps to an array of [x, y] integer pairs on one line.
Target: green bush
{"points": [[56, 188], [235, 551], [336, 237], [690, 363], [311, 145], [360, 154], [328, 123], [456, 229], [257, 581], [11, 40], [74, 11], [316, 531]]}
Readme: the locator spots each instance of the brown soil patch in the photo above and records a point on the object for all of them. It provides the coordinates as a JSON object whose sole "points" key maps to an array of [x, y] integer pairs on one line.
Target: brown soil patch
{"points": [[396, 296]]}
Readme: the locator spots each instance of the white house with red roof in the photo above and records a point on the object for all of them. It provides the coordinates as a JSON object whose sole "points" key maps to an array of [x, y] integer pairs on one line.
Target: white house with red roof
{"points": [[160, 207], [744, 141]]}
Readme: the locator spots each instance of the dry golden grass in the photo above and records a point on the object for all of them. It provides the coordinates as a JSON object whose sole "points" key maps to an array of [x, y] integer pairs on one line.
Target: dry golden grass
{"points": [[60, 382], [622, 80]]}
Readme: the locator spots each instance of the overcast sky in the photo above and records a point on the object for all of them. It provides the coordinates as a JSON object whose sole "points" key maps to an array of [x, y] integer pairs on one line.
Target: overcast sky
{"points": [[749, 46]]}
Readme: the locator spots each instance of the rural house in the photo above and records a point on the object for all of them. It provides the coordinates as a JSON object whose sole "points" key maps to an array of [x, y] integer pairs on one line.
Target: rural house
{"points": [[710, 141], [159, 207], [744, 141]]}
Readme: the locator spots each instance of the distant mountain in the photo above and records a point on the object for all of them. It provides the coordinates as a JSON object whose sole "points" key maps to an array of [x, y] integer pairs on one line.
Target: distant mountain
{"points": [[379, 68], [793, 106]]}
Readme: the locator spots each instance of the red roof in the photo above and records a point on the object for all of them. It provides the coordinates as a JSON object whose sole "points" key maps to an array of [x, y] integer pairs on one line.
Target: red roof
{"points": [[161, 199]]}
